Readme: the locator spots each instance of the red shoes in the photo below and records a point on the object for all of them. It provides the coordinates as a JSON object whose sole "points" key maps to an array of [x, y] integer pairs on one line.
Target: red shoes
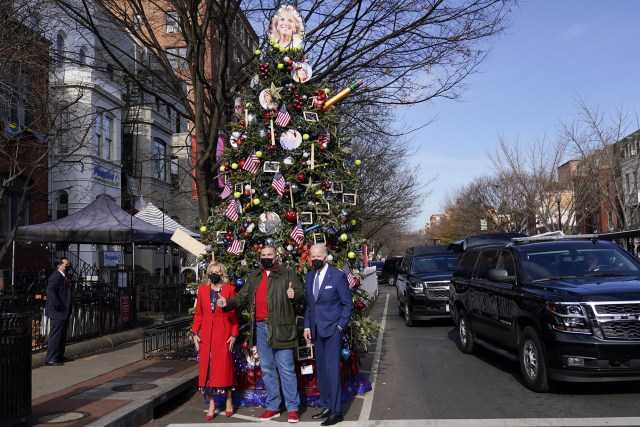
{"points": [[268, 414], [210, 417]]}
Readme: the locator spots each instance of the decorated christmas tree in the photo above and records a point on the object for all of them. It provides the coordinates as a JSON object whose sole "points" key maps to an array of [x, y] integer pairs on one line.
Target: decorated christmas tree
{"points": [[288, 174]]}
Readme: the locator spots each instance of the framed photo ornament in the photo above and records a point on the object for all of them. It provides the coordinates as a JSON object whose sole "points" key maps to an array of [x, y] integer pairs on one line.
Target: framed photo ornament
{"points": [[305, 353]]}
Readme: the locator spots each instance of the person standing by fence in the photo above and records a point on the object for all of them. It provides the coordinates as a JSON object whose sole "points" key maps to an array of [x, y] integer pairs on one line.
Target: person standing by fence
{"points": [[58, 309]]}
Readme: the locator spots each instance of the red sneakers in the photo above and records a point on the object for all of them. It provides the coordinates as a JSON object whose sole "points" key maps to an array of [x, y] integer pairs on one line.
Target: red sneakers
{"points": [[268, 414], [294, 417]]}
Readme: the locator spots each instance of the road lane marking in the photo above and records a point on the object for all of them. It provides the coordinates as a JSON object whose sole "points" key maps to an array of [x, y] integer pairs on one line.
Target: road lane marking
{"points": [[367, 404]]}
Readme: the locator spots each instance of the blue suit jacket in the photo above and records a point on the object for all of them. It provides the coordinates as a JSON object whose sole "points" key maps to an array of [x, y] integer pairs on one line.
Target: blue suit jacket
{"points": [[333, 307], [58, 305]]}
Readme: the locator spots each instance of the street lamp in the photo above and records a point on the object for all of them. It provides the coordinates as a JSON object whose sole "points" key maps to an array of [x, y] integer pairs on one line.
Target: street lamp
{"points": [[559, 213]]}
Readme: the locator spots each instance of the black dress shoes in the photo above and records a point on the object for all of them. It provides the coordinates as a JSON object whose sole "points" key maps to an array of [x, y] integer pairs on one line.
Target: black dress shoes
{"points": [[333, 419], [65, 360], [53, 364], [320, 415]]}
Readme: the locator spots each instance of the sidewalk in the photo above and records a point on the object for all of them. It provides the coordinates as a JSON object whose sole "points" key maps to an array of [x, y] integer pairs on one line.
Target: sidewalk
{"points": [[106, 384]]}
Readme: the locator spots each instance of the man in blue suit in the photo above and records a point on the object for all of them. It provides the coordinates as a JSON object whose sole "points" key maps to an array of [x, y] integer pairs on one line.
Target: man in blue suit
{"points": [[58, 309], [326, 317]]}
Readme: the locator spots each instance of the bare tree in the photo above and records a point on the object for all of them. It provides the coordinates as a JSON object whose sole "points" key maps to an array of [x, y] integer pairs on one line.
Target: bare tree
{"points": [[607, 186], [406, 51]]}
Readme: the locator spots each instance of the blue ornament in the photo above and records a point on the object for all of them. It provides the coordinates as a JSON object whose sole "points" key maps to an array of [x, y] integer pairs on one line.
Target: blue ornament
{"points": [[256, 265], [239, 283], [345, 353]]}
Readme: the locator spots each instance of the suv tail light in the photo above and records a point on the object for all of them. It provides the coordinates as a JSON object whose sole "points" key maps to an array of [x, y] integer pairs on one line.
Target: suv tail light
{"points": [[569, 317]]}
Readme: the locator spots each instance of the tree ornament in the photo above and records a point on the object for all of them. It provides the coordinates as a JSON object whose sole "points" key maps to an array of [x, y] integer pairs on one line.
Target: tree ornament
{"points": [[351, 254], [344, 237], [291, 215], [256, 202], [258, 154], [203, 228], [234, 166], [237, 194], [301, 177], [345, 353]]}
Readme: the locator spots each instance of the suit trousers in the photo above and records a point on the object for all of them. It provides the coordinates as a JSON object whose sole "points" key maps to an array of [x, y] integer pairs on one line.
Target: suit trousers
{"points": [[57, 340], [328, 370]]}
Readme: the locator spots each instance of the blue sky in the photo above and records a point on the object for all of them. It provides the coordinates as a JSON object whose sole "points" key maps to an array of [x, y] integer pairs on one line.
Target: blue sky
{"points": [[554, 52]]}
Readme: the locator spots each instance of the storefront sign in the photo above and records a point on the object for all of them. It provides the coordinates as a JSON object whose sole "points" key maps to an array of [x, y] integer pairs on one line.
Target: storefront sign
{"points": [[112, 259], [107, 177]]}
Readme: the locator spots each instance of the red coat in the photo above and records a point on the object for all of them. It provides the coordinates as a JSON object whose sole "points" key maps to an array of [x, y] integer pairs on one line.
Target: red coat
{"points": [[215, 328]]}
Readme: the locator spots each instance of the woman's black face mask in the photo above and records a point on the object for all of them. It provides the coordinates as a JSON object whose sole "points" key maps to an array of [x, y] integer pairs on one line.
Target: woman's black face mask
{"points": [[215, 278]]}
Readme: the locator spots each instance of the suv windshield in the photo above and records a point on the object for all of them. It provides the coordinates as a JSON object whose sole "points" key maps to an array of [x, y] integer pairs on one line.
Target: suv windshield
{"points": [[543, 262], [433, 262]]}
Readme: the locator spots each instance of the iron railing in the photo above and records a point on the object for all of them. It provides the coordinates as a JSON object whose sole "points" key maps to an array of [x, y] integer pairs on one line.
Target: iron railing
{"points": [[169, 341]]}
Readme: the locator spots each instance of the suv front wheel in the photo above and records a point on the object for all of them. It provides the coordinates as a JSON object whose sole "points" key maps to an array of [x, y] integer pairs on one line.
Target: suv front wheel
{"points": [[532, 361], [467, 340], [391, 280]]}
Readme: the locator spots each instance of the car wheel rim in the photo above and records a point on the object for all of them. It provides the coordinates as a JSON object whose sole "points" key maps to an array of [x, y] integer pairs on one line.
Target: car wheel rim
{"points": [[463, 332], [530, 359]]}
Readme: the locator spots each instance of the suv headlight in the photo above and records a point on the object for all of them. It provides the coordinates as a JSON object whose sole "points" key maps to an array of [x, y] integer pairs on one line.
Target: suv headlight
{"points": [[416, 288], [569, 317]]}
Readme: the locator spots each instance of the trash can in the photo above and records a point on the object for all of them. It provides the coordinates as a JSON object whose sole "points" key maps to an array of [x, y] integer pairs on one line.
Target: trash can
{"points": [[15, 368]]}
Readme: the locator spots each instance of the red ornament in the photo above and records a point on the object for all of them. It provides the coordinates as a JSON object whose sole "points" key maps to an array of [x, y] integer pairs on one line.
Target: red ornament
{"points": [[256, 246], [291, 215], [245, 345], [360, 305], [301, 177], [241, 163], [245, 234], [247, 193], [304, 164], [272, 148]]}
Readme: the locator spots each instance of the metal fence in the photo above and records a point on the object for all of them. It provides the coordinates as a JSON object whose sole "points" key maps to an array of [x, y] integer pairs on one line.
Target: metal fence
{"points": [[169, 341]]}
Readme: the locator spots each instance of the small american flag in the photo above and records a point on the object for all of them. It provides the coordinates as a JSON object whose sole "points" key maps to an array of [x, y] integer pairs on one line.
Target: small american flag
{"points": [[251, 164], [278, 183], [232, 211], [350, 279], [226, 191], [324, 138], [283, 118], [297, 234], [235, 247]]}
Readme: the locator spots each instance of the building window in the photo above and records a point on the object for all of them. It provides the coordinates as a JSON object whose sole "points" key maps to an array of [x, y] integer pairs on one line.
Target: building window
{"points": [[159, 158], [82, 56], [63, 205], [104, 135], [172, 22], [64, 119], [10, 209], [59, 53], [177, 58], [137, 21]]}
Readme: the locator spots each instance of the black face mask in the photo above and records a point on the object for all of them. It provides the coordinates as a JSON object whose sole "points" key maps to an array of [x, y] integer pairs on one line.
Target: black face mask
{"points": [[215, 278], [317, 264], [266, 262]]}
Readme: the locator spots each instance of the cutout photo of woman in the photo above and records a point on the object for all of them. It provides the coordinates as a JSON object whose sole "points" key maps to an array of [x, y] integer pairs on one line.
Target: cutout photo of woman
{"points": [[287, 28]]}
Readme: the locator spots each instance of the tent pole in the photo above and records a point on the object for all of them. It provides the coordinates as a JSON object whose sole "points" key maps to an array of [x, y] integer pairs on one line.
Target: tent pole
{"points": [[13, 267]]}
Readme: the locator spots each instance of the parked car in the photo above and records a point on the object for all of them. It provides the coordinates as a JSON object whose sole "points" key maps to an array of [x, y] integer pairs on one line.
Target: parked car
{"points": [[423, 283], [566, 308], [378, 265], [390, 270]]}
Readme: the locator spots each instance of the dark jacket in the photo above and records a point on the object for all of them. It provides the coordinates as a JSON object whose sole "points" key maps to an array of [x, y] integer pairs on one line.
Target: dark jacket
{"points": [[58, 305], [282, 330]]}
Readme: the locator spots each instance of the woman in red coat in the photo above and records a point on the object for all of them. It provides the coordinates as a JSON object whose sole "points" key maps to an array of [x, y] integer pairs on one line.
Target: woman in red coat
{"points": [[215, 333]]}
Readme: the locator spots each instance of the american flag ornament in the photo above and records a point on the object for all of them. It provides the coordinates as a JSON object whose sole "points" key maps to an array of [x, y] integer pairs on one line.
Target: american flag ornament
{"points": [[350, 279], [235, 247], [232, 211], [297, 234], [226, 191], [278, 183], [251, 164], [283, 118]]}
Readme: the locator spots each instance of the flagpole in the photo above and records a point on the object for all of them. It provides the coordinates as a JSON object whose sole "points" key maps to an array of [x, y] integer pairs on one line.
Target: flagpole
{"points": [[273, 136], [313, 145], [291, 196]]}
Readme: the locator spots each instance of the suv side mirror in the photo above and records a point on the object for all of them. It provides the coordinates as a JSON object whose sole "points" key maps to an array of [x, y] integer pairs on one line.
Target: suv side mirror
{"points": [[500, 275]]}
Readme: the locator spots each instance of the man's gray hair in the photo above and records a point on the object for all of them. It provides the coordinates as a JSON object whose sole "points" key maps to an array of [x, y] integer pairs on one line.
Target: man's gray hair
{"points": [[321, 245]]}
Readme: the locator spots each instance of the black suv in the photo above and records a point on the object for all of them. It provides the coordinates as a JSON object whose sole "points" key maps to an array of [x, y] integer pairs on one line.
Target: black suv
{"points": [[423, 283], [390, 270], [567, 308]]}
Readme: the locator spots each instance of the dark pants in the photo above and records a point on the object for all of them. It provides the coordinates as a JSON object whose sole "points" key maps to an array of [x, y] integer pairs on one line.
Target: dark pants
{"points": [[328, 367], [57, 340]]}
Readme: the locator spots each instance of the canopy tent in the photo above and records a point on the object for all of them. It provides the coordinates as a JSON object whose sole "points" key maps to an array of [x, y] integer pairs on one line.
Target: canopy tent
{"points": [[102, 221], [151, 214]]}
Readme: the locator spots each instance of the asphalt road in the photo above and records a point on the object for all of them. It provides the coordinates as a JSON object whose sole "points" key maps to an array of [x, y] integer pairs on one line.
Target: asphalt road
{"points": [[421, 378]]}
